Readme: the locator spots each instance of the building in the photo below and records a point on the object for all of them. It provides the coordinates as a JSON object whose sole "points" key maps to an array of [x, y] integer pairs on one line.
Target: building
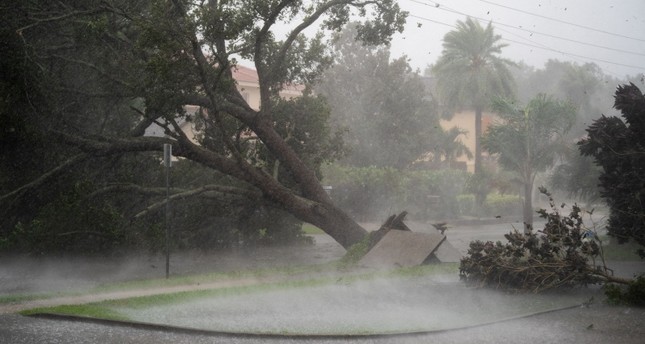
{"points": [[465, 120], [248, 83]]}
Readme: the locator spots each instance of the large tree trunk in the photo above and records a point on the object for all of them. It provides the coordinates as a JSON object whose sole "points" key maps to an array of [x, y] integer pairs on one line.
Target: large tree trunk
{"points": [[527, 209], [195, 50], [479, 196], [478, 138], [316, 208]]}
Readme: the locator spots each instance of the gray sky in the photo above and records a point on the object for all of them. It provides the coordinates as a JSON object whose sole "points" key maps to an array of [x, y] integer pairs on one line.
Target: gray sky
{"points": [[531, 35]]}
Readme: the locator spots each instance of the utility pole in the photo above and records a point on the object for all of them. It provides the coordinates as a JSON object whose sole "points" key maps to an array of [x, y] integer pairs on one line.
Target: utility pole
{"points": [[167, 156]]}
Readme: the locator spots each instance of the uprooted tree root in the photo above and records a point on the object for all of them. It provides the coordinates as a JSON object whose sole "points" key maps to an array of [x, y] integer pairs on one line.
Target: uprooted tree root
{"points": [[562, 255]]}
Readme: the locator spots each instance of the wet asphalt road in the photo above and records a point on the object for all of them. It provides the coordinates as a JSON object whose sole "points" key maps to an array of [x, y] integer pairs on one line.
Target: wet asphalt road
{"points": [[596, 324]]}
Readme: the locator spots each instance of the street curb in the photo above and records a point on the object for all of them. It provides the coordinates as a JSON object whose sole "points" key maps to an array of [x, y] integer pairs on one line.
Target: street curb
{"points": [[257, 335]]}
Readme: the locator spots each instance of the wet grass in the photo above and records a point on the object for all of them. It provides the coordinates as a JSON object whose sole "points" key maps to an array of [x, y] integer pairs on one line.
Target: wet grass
{"points": [[308, 228], [105, 309], [621, 252], [90, 310], [405, 291], [347, 278], [280, 272], [216, 277]]}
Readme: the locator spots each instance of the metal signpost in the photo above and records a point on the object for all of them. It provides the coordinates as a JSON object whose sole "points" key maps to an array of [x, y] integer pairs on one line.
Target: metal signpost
{"points": [[167, 155]]}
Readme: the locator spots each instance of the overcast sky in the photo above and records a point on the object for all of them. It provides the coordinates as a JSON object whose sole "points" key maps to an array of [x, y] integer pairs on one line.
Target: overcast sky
{"points": [[608, 33]]}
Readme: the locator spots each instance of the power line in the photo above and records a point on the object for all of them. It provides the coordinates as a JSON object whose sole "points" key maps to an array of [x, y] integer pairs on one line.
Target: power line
{"points": [[432, 20], [564, 22], [571, 54], [448, 9], [535, 45]]}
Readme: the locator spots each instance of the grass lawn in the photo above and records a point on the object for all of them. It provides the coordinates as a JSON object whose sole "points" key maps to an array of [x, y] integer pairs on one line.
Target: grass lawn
{"points": [[105, 310], [620, 252], [308, 228], [406, 299]]}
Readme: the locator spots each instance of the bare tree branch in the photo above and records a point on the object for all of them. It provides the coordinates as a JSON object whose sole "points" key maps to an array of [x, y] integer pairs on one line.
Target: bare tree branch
{"points": [[55, 172], [253, 195]]}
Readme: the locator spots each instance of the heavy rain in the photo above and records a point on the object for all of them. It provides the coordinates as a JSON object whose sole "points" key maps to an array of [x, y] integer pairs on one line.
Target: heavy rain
{"points": [[322, 171]]}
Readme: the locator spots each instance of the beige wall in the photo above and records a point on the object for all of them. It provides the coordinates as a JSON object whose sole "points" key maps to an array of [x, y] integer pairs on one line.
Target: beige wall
{"points": [[466, 120], [250, 90], [251, 93]]}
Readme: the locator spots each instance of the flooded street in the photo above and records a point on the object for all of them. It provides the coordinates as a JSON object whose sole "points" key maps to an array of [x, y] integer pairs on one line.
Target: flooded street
{"points": [[610, 324]]}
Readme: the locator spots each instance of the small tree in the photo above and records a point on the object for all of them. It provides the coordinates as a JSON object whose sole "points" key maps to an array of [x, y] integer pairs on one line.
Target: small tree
{"points": [[527, 140], [618, 147]]}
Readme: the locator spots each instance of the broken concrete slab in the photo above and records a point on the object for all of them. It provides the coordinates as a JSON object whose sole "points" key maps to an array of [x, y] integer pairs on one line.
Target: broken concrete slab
{"points": [[403, 248], [447, 253]]}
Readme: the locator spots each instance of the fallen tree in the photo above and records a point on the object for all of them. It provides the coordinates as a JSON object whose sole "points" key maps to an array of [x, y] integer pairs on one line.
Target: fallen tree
{"points": [[563, 254], [159, 57]]}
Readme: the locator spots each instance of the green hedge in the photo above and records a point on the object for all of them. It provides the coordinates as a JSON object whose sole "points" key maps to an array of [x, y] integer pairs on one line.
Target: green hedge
{"points": [[371, 193], [494, 205]]}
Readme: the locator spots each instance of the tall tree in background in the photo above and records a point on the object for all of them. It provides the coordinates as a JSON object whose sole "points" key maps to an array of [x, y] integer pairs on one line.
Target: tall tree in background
{"points": [[618, 147], [381, 103], [527, 140], [470, 73], [155, 57], [587, 88]]}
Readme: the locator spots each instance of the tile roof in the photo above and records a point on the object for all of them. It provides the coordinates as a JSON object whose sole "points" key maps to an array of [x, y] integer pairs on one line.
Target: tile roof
{"points": [[245, 74]]}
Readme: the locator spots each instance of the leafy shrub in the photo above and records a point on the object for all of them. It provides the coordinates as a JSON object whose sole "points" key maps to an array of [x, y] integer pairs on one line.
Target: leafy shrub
{"points": [[70, 224], [494, 205], [632, 294], [497, 204]]}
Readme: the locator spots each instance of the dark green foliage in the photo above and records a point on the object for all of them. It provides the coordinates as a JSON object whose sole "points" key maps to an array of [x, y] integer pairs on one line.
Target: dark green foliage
{"points": [[578, 177], [556, 257], [304, 123], [85, 79], [71, 224], [631, 295], [213, 221], [618, 147]]}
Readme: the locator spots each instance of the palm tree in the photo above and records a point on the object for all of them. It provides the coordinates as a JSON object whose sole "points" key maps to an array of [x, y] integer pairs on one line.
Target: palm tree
{"points": [[452, 147], [469, 73], [528, 139]]}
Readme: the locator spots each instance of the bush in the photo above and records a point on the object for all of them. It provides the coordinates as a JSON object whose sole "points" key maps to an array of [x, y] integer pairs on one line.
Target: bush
{"points": [[70, 224], [494, 205], [498, 205], [632, 295]]}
